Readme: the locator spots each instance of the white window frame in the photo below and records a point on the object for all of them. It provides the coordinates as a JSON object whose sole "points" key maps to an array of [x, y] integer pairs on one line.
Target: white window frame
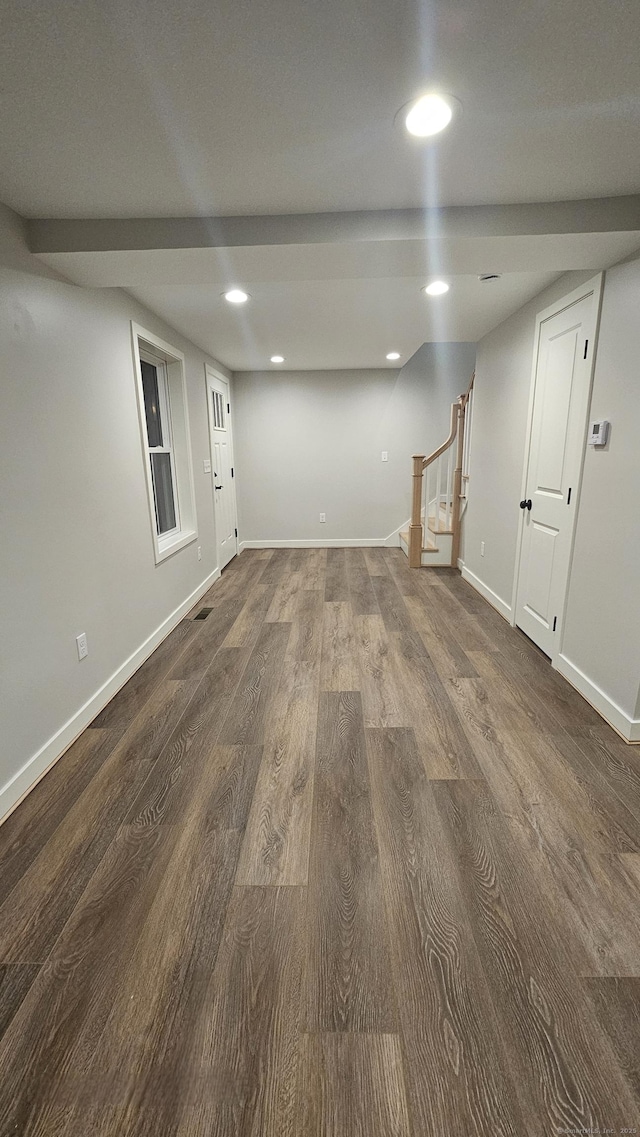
{"points": [[174, 417]]}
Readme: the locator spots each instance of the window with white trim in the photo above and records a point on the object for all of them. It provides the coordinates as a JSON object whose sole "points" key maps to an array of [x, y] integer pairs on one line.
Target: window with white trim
{"points": [[165, 434]]}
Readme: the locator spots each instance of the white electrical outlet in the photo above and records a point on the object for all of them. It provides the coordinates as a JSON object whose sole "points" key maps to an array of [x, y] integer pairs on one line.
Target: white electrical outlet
{"points": [[482, 548], [323, 517], [385, 455], [82, 645], [199, 552]]}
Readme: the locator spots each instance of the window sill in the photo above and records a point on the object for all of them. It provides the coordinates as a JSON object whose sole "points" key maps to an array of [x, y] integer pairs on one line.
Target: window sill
{"points": [[166, 548]]}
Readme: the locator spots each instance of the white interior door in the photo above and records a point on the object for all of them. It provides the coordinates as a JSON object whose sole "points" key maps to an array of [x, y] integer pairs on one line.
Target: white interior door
{"points": [[222, 472], [563, 359]]}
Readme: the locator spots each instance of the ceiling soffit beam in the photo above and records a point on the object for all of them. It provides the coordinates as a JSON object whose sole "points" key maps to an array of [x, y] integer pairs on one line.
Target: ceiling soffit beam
{"points": [[595, 215]]}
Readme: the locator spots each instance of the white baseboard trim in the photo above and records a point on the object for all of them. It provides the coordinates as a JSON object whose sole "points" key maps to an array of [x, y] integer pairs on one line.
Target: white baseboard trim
{"points": [[391, 541], [496, 601], [338, 543], [12, 793], [601, 702]]}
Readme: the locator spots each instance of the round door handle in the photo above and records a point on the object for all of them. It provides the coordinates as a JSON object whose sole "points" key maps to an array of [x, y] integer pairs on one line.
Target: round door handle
{"points": [[526, 504]]}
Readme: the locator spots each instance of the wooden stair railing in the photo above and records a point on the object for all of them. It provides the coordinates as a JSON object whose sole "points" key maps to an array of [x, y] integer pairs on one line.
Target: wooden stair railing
{"points": [[448, 503]]}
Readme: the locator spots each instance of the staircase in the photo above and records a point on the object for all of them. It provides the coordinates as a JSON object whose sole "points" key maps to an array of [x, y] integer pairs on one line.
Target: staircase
{"points": [[440, 484]]}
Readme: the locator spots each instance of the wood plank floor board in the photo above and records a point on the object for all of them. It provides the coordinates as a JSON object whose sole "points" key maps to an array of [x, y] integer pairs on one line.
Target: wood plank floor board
{"points": [[245, 722], [348, 859], [391, 605], [361, 592], [251, 616], [339, 670], [377, 561], [28, 829], [348, 976], [429, 710], [602, 895], [617, 763], [313, 569], [466, 629], [520, 711], [305, 642], [616, 1003], [36, 910], [382, 701], [352, 1084], [407, 581], [276, 568], [186, 765], [237, 579], [532, 782], [456, 1071], [68, 1005], [16, 980], [211, 635], [244, 1055], [336, 587], [565, 1077], [522, 658], [276, 843], [141, 1060], [131, 698], [448, 657], [285, 598]]}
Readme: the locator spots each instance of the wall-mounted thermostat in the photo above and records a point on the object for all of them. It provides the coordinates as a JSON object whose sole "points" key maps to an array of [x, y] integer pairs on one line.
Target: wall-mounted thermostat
{"points": [[598, 433]]}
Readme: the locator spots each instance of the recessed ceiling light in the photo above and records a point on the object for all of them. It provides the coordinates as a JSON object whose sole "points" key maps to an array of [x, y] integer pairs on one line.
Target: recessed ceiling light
{"points": [[428, 115], [277, 358], [236, 296], [393, 355], [436, 288]]}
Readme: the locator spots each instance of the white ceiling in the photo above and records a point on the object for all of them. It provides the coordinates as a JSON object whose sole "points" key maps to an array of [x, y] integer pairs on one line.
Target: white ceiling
{"points": [[340, 305], [119, 109], [339, 323]]}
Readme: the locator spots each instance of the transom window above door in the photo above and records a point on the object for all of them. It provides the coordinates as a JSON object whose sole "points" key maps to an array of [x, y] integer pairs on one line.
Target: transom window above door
{"points": [[218, 410]]}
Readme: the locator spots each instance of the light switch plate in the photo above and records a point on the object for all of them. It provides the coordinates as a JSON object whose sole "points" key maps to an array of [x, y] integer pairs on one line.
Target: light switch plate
{"points": [[207, 466], [385, 455]]}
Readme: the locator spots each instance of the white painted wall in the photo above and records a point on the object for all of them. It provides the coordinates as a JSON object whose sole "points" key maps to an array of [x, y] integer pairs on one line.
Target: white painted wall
{"points": [[310, 442], [602, 625], [77, 553], [601, 636], [501, 398]]}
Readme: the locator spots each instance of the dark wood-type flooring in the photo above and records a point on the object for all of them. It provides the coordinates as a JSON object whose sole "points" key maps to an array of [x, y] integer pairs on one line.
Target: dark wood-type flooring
{"points": [[345, 858]]}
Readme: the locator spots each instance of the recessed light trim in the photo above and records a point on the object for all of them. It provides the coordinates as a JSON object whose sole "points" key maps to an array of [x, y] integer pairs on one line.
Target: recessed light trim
{"points": [[236, 296], [277, 358], [436, 288], [428, 115], [393, 355]]}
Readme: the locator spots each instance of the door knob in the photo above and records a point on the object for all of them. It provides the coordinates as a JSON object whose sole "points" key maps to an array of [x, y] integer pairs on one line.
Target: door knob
{"points": [[526, 504], [217, 487]]}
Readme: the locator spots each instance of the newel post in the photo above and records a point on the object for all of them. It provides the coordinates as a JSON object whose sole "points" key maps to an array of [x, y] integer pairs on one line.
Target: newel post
{"points": [[457, 487], [415, 528]]}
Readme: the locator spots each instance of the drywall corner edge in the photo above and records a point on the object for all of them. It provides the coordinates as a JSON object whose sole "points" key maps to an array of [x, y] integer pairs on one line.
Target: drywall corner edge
{"points": [[17, 788], [494, 600], [627, 727]]}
